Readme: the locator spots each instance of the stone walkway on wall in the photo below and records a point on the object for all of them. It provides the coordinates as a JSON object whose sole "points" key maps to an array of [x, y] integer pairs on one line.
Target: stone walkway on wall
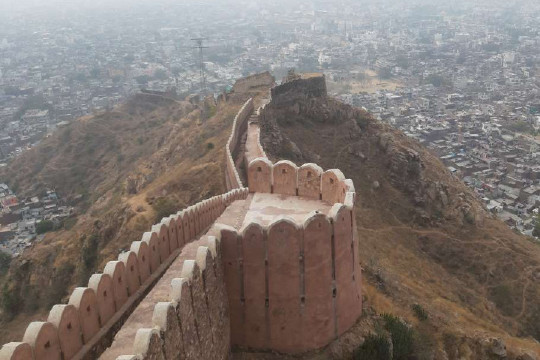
{"points": [[252, 142]]}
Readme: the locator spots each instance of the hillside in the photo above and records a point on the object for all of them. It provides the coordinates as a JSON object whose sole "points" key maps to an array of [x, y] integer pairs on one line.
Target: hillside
{"points": [[425, 240], [431, 254], [123, 170]]}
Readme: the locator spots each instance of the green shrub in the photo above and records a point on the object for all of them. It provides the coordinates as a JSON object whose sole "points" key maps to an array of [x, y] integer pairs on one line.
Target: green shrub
{"points": [[503, 298], [375, 347], [69, 222], [210, 146], [89, 257], [44, 226], [164, 207], [59, 284], [5, 261], [419, 312], [10, 302], [402, 336]]}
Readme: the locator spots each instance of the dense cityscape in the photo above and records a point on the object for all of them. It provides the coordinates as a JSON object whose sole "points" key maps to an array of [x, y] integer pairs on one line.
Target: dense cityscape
{"points": [[460, 79]]}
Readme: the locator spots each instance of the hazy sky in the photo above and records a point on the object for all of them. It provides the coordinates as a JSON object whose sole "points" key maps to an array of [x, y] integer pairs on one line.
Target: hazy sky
{"points": [[8, 7]]}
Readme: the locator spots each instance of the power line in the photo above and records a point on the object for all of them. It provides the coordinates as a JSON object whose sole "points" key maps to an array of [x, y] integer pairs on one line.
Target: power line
{"points": [[199, 42]]}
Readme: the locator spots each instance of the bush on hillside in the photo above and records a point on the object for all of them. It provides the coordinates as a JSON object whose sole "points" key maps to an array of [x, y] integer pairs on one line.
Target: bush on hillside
{"points": [[164, 207], [419, 312], [5, 260], [402, 336], [10, 302], [89, 257], [375, 347], [59, 284], [44, 226]]}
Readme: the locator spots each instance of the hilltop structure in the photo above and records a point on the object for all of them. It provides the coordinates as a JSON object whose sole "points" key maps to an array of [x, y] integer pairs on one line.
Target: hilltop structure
{"points": [[271, 266]]}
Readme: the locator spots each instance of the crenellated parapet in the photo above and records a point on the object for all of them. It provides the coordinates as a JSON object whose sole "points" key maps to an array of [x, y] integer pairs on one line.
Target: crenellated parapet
{"points": [[292, 287], [192, 320], [85, 326], [233, 145], [308, 180]]}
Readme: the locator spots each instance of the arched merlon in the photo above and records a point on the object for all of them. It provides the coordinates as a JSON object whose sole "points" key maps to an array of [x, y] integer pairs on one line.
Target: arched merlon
{"points": [[103, 287], [117, 271], [285, 178], [85, 301], [260, 175], [332, 186], [345, 266], [66, 320], [131, 271], [162, 233], [43, 338], [152, 241], [140, 248], [16, 351], [309, 181]]}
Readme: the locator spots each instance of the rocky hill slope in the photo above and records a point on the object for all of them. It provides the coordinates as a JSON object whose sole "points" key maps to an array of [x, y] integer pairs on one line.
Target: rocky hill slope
{"points": [[123, 170], [427, 245]]}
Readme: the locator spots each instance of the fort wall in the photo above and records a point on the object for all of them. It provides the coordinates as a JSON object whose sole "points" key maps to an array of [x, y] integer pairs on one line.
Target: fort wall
{"points": [[301, 88], [232, 148], [294, 287], [248, 83], [85, 326], [192, 320]]}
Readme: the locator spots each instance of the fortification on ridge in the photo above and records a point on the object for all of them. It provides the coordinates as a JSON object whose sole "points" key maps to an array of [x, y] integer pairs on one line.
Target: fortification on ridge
{"points": [[270, 265]]}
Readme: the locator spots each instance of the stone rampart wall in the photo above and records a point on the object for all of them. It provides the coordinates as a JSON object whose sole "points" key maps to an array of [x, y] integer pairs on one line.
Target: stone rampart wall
{"points": [[308, 180], [292, 287], [193, 323], [233, 145], [85, 326], [299, 89], [244, 85]]}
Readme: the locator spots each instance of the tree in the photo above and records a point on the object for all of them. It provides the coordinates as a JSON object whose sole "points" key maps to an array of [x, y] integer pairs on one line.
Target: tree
{"points": [[10, 301], [536, 230], [129, 58], [5, 260], [402, 61], [436, 80], [44, 226], [95, 72], [164, 207], [142, 79], [385, 73], [161, 74]]}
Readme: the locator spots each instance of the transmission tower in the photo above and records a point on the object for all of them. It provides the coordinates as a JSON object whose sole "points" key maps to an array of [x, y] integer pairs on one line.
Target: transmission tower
{"points": [[199, 42]]}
